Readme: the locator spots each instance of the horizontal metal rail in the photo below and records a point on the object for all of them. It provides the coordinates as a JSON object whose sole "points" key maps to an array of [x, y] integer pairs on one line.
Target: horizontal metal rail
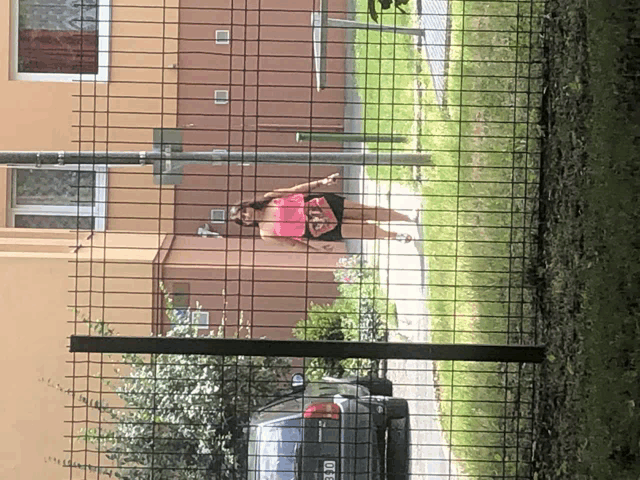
{"points": [[305, 348], [176, 159]]}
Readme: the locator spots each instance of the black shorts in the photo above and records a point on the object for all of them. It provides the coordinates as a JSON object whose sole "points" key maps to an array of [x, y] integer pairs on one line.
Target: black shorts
{"points": [[336, 202]]}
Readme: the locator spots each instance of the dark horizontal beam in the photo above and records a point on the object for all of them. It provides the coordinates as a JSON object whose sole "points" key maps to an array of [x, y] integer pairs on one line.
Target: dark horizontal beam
{"points": [[301, 348]]}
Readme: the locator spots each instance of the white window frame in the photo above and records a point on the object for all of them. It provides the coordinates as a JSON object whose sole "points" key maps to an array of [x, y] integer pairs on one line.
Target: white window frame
{"points": [[200, 318], [104, 32], [213, 219], [197, 318], [221, 99], [98, 210], [223, 37]]}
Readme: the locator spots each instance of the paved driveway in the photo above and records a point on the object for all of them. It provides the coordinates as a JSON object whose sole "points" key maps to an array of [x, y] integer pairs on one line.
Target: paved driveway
{"points": [[403, 269]]}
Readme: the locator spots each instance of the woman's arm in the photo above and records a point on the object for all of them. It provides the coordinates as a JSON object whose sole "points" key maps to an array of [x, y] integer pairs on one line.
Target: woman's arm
{"points": [[303, 187]]}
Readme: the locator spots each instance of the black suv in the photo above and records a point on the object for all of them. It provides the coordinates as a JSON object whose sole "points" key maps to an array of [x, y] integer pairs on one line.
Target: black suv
{"points": [[336, 429]]}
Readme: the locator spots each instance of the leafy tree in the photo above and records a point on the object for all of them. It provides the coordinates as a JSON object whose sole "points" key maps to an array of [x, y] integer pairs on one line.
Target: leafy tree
{"points": [[183, 415], [384, 5]]}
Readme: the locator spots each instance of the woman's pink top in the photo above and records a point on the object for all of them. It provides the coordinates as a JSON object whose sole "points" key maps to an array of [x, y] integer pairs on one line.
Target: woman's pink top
{"points": [[290, 217]]}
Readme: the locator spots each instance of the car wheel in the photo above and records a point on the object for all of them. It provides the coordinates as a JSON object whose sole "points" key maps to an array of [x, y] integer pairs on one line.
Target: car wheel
{"points": [[397, 408], [398, 449], [375, 385]]}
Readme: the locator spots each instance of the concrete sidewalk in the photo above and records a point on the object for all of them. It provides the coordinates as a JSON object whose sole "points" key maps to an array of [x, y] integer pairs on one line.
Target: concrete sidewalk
{"points": [[403, 270]]}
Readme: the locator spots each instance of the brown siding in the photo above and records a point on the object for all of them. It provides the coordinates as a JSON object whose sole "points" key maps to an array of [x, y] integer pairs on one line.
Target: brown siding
{"points": [[272, 290], [270, 302], [267, 68]]}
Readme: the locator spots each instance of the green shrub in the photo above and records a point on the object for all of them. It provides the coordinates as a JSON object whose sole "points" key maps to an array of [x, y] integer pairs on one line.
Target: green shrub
{"points": [[184, 415], [361, 313]]}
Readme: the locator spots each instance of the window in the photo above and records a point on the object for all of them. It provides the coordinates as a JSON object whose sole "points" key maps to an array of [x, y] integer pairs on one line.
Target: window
{"points": [[61, 197], [217, 215], [198, 318], [221, 97], [180, 315], [60, 40], [180, 300], [222, 37]]}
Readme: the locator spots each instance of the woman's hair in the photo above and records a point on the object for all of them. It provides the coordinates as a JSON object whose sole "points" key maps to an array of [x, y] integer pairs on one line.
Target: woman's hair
{"points": [[234, 212]]}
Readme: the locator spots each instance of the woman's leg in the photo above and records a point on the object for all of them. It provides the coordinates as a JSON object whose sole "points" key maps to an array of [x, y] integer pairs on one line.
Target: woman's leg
{"points": [[368, 231], [357, 211]]}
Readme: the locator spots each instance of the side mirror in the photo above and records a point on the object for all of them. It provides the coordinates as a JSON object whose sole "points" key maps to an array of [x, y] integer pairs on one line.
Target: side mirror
{"points": [[297, 381]]}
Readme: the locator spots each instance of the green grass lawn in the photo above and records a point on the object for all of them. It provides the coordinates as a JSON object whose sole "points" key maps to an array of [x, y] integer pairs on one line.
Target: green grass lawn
{"points": [[385, 75], [478, 204], [479, 201]]}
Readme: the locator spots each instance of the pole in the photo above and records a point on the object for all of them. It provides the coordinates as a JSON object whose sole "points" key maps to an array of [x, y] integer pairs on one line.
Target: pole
{"points": [[320, 34], [174, 160], [347, 137], [341, 23]]}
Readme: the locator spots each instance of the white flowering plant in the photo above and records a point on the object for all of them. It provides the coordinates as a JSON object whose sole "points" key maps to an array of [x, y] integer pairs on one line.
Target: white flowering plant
{"points": [[184, 415]]}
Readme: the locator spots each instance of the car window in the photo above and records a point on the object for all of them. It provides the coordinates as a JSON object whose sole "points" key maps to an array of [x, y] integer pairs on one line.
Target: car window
{"points": [[275, 447]]}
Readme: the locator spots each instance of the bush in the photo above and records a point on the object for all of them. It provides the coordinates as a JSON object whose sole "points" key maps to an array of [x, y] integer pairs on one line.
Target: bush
{"points": [[361, 313], [184, 414]]}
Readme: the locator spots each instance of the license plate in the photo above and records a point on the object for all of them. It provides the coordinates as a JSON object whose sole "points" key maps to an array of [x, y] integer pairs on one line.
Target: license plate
{"points": [[329, 470]]}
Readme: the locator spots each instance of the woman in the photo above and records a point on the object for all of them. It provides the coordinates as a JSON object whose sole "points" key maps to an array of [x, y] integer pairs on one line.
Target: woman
{"points": [[297, 218]]}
